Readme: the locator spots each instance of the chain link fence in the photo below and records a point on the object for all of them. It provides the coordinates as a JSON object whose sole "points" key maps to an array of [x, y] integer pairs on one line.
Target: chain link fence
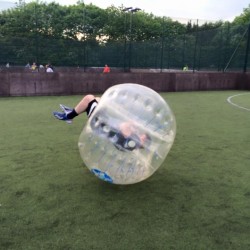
{"points": [[222, 49]]}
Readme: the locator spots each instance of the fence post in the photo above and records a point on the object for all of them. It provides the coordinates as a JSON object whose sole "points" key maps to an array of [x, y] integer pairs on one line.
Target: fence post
{"points": [[162, 42], [220, 49], [247, 50], [195, 46]]}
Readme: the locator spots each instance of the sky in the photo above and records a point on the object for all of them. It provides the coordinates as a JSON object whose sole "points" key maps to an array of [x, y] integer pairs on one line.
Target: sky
{"points": [[209, 10]]}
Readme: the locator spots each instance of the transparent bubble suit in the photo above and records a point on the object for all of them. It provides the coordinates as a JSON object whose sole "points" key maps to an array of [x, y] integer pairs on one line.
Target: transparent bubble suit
{"points": [[144, 112]]}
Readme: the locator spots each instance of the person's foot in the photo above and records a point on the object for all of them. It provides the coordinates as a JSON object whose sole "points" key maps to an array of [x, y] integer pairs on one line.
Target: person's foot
{"points": [[62, 117], [66, 109]]}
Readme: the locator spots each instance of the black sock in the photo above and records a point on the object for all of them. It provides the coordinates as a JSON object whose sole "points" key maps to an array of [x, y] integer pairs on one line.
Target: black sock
{"points": [[72, 114]]}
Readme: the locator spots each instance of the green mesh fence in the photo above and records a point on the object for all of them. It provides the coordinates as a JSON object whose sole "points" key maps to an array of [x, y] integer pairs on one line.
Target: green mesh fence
{"points": [[221, 49]]}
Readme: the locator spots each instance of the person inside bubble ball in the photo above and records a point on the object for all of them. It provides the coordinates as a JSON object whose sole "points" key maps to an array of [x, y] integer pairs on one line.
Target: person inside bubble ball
{"points": [[125, 136]]}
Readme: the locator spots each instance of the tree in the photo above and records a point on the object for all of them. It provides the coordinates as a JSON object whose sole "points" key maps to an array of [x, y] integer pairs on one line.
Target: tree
{"points": [[83, 34], [244, 18]]}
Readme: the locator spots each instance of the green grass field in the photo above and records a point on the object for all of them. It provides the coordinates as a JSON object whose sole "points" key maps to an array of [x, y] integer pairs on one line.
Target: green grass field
{"points": [[198, 199]]}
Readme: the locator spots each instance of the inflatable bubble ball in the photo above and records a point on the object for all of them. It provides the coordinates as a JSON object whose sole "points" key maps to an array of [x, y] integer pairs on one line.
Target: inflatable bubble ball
{"points": [[129, 134]]}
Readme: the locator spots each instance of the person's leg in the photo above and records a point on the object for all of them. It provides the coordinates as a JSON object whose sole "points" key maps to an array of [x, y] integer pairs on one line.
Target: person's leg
{"points": [[69, 113], [83, 104]]}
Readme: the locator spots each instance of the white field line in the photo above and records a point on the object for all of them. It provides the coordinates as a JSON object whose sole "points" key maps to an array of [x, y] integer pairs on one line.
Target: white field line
{"points": [[229, 99]]}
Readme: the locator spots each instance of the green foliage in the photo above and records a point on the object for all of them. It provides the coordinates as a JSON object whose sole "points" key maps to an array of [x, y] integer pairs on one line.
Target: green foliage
{"points": [[87, 35], [244, 18], [83, 22]]}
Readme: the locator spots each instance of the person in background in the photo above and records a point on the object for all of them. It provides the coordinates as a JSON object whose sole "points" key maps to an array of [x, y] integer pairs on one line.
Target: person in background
{"points": [[49, 68], [185, 68], [27, 65], [106, 69], [34, 66]]}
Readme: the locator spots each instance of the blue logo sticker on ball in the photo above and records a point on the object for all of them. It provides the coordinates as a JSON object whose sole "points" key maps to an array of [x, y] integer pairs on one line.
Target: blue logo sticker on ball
{"points": [[102, 175]]}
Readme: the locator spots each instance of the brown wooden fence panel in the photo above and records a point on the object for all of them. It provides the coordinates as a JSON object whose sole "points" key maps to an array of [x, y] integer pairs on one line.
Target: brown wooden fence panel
{"points": [[74, 83]]}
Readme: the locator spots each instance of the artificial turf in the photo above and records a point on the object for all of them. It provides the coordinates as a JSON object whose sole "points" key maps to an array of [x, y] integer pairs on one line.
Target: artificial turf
{"points": [[198, 199]]}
